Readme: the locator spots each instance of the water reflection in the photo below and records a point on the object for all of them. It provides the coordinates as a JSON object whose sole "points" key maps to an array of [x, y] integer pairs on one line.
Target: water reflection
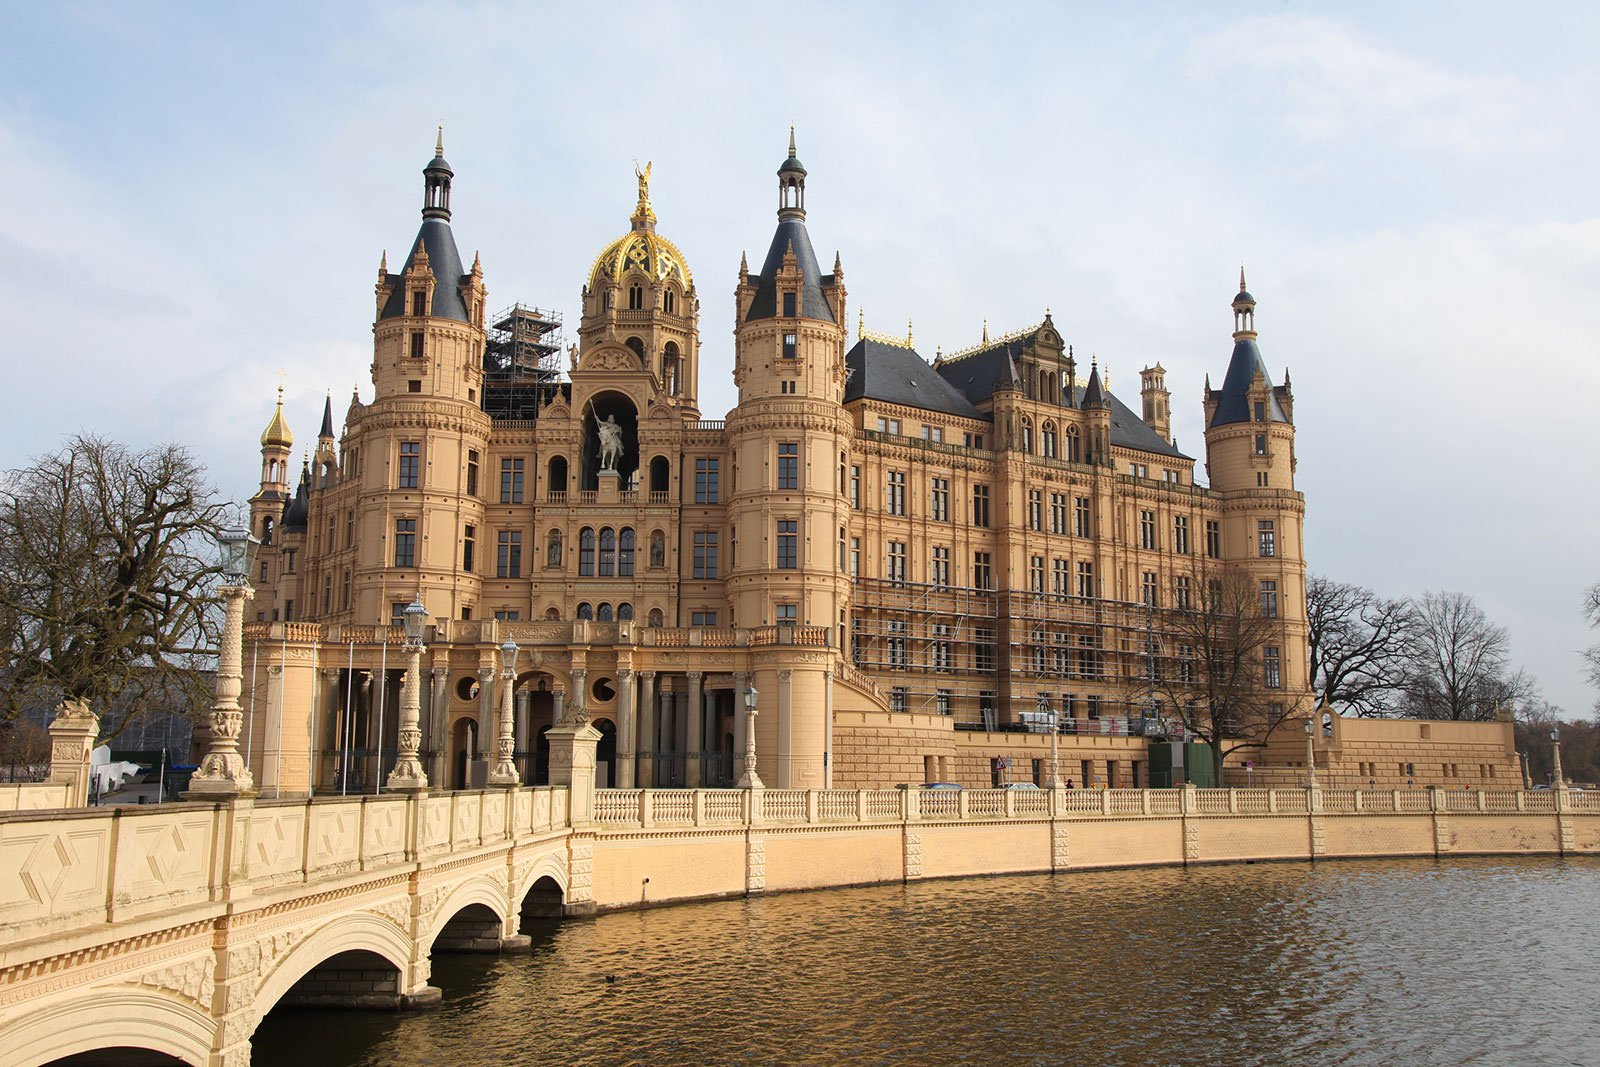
{"points": [[1394, 962]]}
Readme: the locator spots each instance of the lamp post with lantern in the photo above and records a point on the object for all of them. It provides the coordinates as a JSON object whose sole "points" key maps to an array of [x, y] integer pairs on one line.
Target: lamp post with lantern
{"points": [[408, 775], [750, 779], [222, 773], [1311, 755], [1557, 781], [504, 774]]}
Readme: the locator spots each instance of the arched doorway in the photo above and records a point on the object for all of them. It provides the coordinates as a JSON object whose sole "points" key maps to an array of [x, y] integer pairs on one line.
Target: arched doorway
{"points": [[610, 405], [464, 745], [605, 756]]}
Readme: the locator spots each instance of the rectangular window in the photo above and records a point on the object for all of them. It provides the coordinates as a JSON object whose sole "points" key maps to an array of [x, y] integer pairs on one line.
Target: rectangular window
{"points": [[941, 702], [344, 593], [939, 499], [855, 487], [855, 557], [706, 475], [1271, 668], [1080, 516], [788, 305], [1180, 534], [1036, 574], [895, 493], [1061, 577], [469, 547], [1181, 593], [888, 425], [1058, 513], [980, 506], [787, 612], [1147, 529], [939, 567], [788, 544], [419, 303], [705, 553], [1265, 541], [1148, 589], [405, 542], [974, 440], [897, 698], [472, 472], [508, 616], [349, 528], [702, 618], [983, 649], [511, 481], [982, 577], [895, 645], [895, 561], [410, 464], [416, 344], [1035, 510], [1261, 444], [1213, 539], [788, 465], [508, 556], [933, 433], [1085, 578], [1269, 599], [942, 632], [791, 346]]}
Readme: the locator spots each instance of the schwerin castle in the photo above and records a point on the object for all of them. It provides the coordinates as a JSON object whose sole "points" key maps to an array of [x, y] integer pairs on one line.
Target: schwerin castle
{"points": [[916, 566]]}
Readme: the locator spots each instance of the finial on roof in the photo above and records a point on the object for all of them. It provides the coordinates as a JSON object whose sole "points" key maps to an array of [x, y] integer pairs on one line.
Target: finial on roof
{"points": [[383, 262], [791, 138], [1241, 277], [985, 331], [838, 267], [438, 145], [861, 322], [643, 213], [908, 334]]}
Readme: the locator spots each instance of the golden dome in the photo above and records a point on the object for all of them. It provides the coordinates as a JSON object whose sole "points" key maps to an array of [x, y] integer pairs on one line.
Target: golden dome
{"points": [[277, 434], [641, 249]]}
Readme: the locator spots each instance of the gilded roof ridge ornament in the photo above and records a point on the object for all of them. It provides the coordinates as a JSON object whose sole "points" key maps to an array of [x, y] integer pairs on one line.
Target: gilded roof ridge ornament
{"points": [[864, 334], [986, 344]]}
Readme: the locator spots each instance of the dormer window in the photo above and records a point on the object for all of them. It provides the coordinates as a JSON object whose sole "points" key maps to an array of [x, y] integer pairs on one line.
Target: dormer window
{"points": [[790, 345], [1261, 444], [1261, 411], [635, 297], [419, 303], [789, 305], [416, 344]]}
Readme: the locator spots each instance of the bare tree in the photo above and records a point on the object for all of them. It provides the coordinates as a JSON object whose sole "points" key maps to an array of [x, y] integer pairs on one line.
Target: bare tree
{"points": [[105, 575], [1220, 679], [1361, 645], [1462, 668], [1591, 655]]}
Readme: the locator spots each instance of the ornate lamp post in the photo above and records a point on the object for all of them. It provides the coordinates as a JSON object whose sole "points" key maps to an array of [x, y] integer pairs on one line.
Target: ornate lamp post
{"points": [[1556, 779], [222, 774], [750, 779], [1311, 755], [1055, 740], [1527, 779], [408, 775], [505, 768]]}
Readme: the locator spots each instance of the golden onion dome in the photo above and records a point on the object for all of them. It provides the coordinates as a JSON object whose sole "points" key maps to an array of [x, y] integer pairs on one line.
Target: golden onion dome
{"points": [[277, 434], [641, 250]]}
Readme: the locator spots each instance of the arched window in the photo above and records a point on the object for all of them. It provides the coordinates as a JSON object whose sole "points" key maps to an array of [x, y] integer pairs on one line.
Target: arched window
{"points": [[625, 554], [266, 529], [585, 611], [1074, 449], [624, 612], [655, 617], [608, 552], [586, 552], [637, 347], [552, 613], [1027, 436], [556, 483], [635, 297], [602, 613], [669, 368], [660, 472], [669, 302], [1047, 438]]}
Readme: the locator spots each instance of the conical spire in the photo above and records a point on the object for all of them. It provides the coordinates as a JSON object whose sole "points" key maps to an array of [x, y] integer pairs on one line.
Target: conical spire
{"points": [[1093, 395], [327, 417]]}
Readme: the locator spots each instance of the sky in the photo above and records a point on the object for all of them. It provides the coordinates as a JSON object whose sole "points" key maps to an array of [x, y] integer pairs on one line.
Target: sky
{"points": [[197, 195]]}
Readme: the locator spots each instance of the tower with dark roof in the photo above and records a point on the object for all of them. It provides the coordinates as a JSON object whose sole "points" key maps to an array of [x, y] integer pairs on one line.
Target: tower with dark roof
{"points": [[790, 438]]}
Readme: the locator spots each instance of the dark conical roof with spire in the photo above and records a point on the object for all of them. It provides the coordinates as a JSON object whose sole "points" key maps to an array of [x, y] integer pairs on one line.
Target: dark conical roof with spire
{"points": [[298, 510], [437, 240], [327, 417], [1094, 395], [1233, 404], [790, 236]]}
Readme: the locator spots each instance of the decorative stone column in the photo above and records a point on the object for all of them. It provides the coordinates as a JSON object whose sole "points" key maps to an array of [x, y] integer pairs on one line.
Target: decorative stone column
{"points": [[72, 735], [579, 711], [646, 767], [438, 733], [222, 774], [486, 714], [504, 774], [627, 729], [696, 736], [408, 775]]}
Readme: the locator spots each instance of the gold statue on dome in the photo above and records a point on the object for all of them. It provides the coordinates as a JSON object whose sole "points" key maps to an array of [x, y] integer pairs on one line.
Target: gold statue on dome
{"points": [[644, 180]]}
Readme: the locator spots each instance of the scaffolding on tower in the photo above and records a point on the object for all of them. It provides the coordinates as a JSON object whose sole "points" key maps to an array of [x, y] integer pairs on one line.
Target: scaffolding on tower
{"points": [[522, 361]]}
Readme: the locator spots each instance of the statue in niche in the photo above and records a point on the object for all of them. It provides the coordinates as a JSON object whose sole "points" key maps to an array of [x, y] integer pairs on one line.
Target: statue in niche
{"points": [[658, 549], [610, 443], [552, 557]]}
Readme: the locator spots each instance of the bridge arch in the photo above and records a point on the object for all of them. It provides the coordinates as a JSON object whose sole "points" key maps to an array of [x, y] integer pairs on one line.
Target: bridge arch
{"points": [[103, 1019], [550, 865], [481, 890], [355, 932]]}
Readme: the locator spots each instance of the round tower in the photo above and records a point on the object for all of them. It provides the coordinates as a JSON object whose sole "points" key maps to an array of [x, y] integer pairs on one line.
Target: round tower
{"points": [[790, 438]]}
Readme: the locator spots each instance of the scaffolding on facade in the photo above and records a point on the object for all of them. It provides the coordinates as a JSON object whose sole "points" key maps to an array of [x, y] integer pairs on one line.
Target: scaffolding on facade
{"points": [[521, 362]]}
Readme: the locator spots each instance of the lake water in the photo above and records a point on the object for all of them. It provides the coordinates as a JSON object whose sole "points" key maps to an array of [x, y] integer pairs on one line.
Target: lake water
{"points": [[1391, 962]]}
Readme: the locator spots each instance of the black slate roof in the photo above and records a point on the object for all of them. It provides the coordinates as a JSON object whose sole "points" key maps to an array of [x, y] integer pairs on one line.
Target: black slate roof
{"points": [[1234, 405], [297, 511], [897, 375], [445, 262], [791, 232]]}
